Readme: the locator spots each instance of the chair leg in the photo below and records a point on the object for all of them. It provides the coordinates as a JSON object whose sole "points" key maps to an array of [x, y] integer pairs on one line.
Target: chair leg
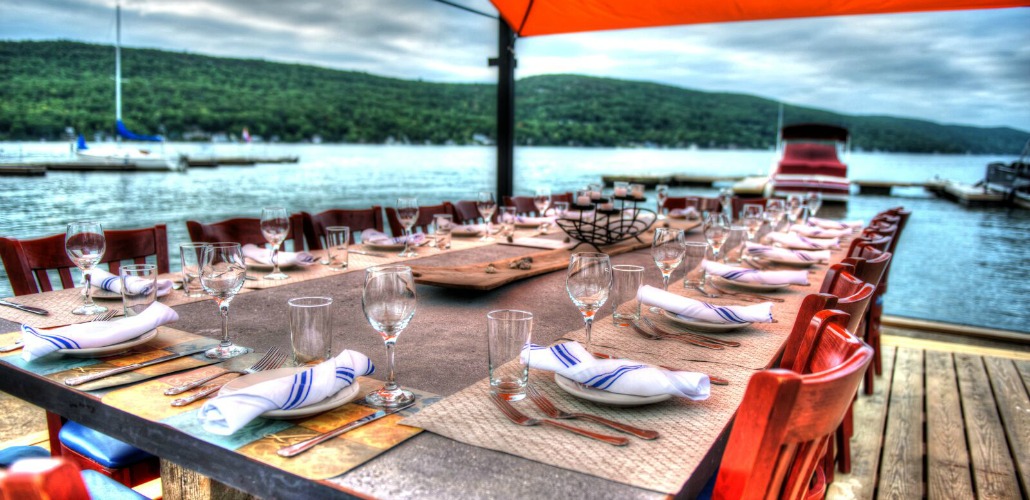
{"points": [[844, 433], [132, 475], [867, 337], [828, 460], [875, 311], [53, 428]]}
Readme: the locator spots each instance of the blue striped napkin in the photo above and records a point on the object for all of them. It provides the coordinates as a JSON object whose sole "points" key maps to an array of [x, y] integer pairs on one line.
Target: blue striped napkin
{"points": [[799, 242], [747, 275], [692, 309], [89, 335], [107, 281], [787, 255], [378, 238], [264, 256]]}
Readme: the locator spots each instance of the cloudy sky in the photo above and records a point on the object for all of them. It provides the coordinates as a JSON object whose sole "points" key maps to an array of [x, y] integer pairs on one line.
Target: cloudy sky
{"points": [[969, 67]]}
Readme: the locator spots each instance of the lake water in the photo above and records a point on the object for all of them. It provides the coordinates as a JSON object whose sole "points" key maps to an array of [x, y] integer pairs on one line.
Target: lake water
{"points": [[954, 264]]}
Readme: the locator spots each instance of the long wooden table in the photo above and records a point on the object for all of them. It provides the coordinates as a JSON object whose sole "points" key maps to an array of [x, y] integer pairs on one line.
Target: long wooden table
{"points": [[443, 351]]}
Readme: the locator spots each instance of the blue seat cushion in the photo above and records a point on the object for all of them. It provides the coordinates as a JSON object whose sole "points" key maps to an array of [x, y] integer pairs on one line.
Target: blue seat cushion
{"points": [[101, 448], [12, 454], [101, 486]]}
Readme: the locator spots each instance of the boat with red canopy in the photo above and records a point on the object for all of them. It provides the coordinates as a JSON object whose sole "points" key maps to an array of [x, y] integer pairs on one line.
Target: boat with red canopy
{"points": [[810, 161]]}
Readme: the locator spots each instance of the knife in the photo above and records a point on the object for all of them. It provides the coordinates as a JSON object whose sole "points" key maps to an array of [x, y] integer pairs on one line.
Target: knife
{"points": [[73, 381], [30, 309], [301, 447]]}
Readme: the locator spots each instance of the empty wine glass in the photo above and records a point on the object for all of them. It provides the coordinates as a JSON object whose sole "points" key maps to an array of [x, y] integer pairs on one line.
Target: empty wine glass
{"points": [[407, 214], [667, 251], [486, 205], [542, 200], [661, 193], [275, 225], [813, 201], [588, 281], [222, 273], [726, 202], [388, 300], [85, 244], [752, 215], [716, 230]]}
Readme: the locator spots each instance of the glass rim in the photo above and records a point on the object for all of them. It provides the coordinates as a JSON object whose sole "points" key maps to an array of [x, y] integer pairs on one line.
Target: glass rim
{"points": [[697, 243], [310, 301], [194, 245], [628, 267], [591, 254], [224, 244], [138, 267], [388, 268], [83, 222], [519, 315]]}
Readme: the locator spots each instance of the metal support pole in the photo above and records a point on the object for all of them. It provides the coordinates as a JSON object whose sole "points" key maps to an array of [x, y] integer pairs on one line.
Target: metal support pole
{"points": [[505, 63]]}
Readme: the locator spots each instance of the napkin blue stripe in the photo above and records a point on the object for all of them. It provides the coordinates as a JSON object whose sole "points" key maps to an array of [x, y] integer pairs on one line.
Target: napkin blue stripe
{"points": [[605, 380], [300, 389], [726, 313], [106, 284], [57, 340], [345, 374], [734, 275], [565, 356]]}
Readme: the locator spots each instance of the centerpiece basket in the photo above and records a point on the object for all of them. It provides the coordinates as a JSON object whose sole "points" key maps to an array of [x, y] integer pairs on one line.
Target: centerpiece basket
{"points": [[606, 221]]}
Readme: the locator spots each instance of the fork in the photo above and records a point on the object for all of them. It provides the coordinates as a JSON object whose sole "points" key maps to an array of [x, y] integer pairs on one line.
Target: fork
{"points": [[686, 340], [696, 336], [521, 419], [100, 317], [744, 295], [552, 411], [274, 358]]}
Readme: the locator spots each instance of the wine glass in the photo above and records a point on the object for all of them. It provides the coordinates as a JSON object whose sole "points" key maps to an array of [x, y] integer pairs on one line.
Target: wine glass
{"points": [[588, 281], [726, 202], [388, 301], [775, 209], [275, 225], [716, 230], [559, 208], [85, 244], [487, 206], [752, 215], [542, 200], [667, 250], [407, 214], [661, 193], [222, 273], [813, 201], [795, 206]]}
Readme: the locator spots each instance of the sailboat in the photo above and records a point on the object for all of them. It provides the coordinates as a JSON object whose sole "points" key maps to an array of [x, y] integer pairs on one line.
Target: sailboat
{"points": [[121, 156]]}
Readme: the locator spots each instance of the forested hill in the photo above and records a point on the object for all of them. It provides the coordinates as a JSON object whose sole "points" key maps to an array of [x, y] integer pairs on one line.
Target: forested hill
{"points": [[50, 86]]}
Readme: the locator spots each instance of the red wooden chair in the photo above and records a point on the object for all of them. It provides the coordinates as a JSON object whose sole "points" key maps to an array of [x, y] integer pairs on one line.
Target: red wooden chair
{"points": [[27, 261], [244, 231], [738, 204], [466, 212], [356, 220], [523, 204], [682, 202], [787, 418], [58, 478], [425, 217], [872, 268], [877, 242]]}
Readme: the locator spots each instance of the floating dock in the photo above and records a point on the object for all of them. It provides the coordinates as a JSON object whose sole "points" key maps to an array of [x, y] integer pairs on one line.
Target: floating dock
{"points": [[77, 165]]}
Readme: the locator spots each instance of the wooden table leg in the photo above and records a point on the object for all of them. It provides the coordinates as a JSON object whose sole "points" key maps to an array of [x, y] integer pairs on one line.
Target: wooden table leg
{"points": [[178, 482]]}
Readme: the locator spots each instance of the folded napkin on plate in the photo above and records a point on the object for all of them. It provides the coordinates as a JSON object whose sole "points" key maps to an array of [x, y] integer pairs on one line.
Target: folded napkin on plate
{"points": [[472, 229], [39, 343], [107, 281], [521, 219], [787, 255], [264, 256], [697, 310], [818, 232], [620, 376], [686, 213], [832, 224], [796, 241], [228, 413], [746, 275], [377, 238]]}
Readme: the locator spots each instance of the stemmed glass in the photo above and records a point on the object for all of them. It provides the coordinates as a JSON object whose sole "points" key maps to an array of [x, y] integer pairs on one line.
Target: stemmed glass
{"points": [[222, 273], [275, 225], [661, 193], [388, 300], [85, 244], [775, 209], [726, 202], [813, 201], [667, 251], [588, 281], [752, 215], [407, 214], [487, 206], [542, 200], [716, 229]]}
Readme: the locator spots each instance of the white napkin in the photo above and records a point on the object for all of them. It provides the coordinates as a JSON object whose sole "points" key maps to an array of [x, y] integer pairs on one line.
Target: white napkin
{"points": [[226, 414], [264, 256], [818, 232], [745, 275], [107, 281], [620, 376], [377, 238], [472, 229], [832, 224], [787, 255], [796, 241], [695, 309], [686, 213], [534, 220], [94, 334]]}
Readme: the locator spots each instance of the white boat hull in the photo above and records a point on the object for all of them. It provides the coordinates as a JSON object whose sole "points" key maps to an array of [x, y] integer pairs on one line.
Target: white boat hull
{"points": [[133, 158]]}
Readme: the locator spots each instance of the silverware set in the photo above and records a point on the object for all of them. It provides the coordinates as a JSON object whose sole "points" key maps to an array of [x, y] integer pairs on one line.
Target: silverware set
{"points": [[552, 411], [298, 448], [521, 419], [273, 359]]}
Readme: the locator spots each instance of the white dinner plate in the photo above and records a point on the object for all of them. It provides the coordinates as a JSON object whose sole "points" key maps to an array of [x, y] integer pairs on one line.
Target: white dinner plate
{"points": [[96, 352], [609, 398], [344, 396], [527, 225], [100, 293], [704, 326], [792, 263], [384, 246], [758, 287]]}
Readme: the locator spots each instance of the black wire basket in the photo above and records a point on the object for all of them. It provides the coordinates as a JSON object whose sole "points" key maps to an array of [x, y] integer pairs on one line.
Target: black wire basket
{"points": [[598, 227]]}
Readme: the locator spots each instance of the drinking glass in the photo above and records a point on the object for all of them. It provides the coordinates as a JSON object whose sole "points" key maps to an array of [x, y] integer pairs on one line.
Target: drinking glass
{"points": [[444, 225], [508, 334], [507, 217], [667, 251], [588, 281], [795, 206], [542, 200], [337, 247], [813, 201], [752, 217], [407, 213], [559, 208], [139, 287], [626, 280], [716, 229], [775, 209], [191, 255], [661, 193], [275, 225], [726, 201], [487, 206], [85, 244], [693, 274], [388, 300], [734, 246], [222, 273], [311, 329]]}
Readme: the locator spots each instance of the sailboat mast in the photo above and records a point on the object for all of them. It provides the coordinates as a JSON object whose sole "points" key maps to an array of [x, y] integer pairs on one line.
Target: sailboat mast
{"points": [[118, 64]]}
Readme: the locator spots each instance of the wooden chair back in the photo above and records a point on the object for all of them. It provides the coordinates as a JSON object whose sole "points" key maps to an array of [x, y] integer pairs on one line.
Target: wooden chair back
{"points": [[244, 230], [425, 217], [43, 479], [738, 204], [787, 418], [832, 274], [27, 261], [682, 202], [853, 297], [466, 212], [878, 242], [523, 204], [870, 266], [566, 197], [797, 344], [356, 220]]}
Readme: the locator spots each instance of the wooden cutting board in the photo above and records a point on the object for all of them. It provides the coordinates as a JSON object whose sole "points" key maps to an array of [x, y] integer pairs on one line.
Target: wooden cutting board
{"points": [[475, 277]]}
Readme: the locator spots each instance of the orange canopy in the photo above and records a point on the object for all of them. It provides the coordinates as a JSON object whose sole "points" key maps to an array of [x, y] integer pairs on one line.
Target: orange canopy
{"points": [[549, 17]]}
